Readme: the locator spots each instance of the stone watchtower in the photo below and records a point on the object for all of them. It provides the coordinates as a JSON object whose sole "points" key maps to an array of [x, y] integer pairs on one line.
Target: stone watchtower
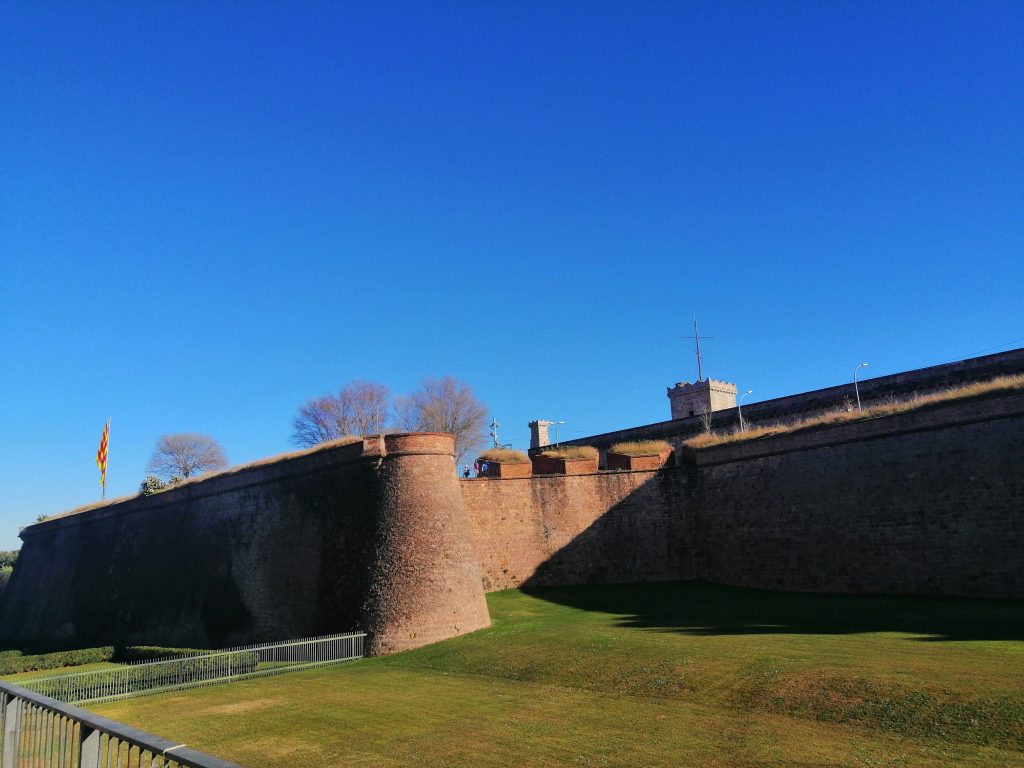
{"points": [[539, 433], [694, 399]]}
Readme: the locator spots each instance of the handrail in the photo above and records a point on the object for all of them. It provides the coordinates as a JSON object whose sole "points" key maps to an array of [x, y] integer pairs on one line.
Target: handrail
{"points": [[13, 700], [199, 669]]}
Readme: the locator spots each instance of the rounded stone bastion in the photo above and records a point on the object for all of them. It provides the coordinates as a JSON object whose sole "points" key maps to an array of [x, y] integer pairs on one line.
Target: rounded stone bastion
{"points": [[425, 579]]}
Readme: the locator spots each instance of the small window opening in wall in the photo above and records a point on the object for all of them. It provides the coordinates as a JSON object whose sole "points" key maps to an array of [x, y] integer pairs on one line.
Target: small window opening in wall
{"points": [[691, 413]]}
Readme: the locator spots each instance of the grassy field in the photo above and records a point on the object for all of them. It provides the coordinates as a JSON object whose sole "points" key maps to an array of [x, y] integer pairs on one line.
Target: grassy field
{"points": [[666, 675]]}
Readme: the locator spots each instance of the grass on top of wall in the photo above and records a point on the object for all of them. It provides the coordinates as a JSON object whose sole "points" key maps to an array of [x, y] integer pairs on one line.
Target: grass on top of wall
{"points": [[341, 441], [570, 452], [506, 455], [640, 447], [682, 674], [843, 416]]}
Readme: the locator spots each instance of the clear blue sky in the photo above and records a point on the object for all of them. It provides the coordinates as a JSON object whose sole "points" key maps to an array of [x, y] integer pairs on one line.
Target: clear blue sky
{"points": [[210, 212]]}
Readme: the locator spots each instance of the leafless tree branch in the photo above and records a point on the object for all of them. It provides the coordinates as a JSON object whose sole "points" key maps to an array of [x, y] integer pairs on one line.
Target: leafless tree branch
{"points": [[359, 408], [186, 454], [444, 405]]}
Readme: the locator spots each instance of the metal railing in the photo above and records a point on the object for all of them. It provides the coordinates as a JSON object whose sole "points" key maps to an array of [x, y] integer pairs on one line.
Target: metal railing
{"points": [[199, 669], [36, 730]]}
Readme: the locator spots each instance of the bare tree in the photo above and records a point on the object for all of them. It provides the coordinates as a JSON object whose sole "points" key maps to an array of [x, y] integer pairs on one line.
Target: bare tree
{"points": [[359, 408], [186, 454], [444, 405], [707, 420]]}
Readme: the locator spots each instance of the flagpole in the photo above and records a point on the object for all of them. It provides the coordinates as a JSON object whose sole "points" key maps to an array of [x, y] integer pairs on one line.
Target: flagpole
{"points": [[104, 495]]}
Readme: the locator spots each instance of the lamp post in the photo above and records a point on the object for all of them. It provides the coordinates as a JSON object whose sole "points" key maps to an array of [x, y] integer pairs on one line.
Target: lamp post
{"points": [[556, 423], [856, 389], [739, 408]]}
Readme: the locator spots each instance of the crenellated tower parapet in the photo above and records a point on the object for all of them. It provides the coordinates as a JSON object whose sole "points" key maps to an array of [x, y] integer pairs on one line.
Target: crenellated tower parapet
{"points": [[709, 395]]}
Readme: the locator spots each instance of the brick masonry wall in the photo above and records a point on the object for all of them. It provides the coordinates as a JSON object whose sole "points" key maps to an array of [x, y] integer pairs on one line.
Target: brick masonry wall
{"points": [[268, 553], [579, 529], [928, 502], [371, 535], [425, 581], [382, 534]]}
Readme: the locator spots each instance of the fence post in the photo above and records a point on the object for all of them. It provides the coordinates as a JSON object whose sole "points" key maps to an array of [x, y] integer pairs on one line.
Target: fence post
{"points": [[88, 747], [12, 721]]}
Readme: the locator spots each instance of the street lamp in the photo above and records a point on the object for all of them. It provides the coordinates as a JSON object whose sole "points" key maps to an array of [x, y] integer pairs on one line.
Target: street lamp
{"points": [[739, 408], [556, 423], [856, 389]]}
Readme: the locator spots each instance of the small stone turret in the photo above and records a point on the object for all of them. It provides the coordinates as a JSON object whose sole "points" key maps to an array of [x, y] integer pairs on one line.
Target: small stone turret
{"points": [[539, 433], [694, 399]]}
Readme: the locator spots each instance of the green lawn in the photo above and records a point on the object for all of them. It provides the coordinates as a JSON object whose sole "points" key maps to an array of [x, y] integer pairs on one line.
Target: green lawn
{"points": [[673, 675]]}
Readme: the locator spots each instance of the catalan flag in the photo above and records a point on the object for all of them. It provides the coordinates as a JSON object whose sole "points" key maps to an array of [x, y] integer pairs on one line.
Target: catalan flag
{"points": [[101, 457]]}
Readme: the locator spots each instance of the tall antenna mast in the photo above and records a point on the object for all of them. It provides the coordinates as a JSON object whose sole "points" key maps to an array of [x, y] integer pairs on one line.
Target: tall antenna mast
{"points": [[494, 432], [697, 337]]}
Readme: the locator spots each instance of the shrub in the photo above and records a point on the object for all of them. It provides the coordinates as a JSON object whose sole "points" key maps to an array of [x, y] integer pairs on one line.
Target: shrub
{"points": [[152, 484], [571, 452], [147, 676], [641, 447], [505, 454], [131, 653], [8, 558], [5, 576], [13, 662]]}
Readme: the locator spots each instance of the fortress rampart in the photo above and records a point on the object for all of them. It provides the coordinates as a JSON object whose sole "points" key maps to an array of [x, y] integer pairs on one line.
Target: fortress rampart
{"points": [[309, 544], [791, 407], [382, 535], [929, 501]]}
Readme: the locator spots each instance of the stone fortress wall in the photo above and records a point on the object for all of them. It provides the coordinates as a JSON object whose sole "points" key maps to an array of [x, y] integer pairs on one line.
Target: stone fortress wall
{"points": [[791, 407], [927, 502], [382, 535], [372, 535]]}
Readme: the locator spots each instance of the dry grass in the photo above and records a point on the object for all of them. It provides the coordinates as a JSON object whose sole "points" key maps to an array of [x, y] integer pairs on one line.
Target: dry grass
{"points": [[346, 440], [842, 416], [641, 448], [506, 455], [571, 452]]}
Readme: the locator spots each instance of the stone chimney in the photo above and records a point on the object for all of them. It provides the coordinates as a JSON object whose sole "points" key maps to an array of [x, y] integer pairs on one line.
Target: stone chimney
{"points": [[539, 433]]}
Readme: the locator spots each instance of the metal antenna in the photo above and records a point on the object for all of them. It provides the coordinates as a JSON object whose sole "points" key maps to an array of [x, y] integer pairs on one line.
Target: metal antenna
{"points": [[697, 337], [494, 432]]}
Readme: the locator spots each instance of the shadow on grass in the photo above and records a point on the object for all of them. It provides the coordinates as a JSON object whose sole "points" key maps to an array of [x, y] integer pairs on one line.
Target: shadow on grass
{"points": [[698, 608]]}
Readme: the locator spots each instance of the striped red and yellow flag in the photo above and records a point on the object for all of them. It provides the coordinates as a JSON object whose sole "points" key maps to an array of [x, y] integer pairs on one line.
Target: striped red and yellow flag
{"points": [[101, 454]]}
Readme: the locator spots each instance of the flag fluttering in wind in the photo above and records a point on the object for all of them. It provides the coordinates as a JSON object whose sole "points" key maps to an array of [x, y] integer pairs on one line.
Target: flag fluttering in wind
{"points": [[101, 457]]}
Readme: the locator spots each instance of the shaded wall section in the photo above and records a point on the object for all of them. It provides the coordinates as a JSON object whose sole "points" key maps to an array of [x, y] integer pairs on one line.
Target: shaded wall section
{"points": [[925, 502], [267, 553]]}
